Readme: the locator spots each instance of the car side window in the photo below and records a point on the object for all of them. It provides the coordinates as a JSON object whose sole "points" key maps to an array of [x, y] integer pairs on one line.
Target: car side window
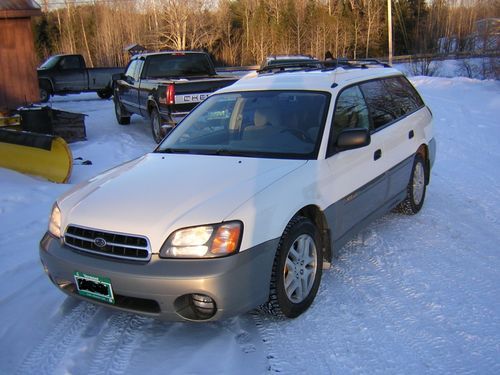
{"points": [[383, 108], [351, 112], [408, 97], [138, 70], [70, 62], [390, 99], [131, 69]]}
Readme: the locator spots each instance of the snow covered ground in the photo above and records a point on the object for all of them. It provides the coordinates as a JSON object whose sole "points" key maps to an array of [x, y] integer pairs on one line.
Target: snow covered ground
{"points": [[409, 295], [475, 67]]}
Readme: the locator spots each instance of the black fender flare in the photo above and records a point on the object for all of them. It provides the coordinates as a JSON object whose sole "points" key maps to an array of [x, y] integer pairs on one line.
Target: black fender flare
{"points": [[151, 103]]}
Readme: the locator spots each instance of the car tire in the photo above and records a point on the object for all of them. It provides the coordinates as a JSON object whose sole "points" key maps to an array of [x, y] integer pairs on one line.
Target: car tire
{"points": [[415, 192], [122, 116], [297, 268], [105, 93], [44, 95], [156, 129]]}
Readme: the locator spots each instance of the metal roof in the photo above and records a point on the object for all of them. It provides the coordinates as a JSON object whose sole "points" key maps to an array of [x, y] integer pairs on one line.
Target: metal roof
{"points": [[19, 8]]}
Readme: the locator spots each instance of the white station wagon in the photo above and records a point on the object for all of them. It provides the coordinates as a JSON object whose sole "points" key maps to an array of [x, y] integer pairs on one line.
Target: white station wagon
{"points": [[245, 202]]}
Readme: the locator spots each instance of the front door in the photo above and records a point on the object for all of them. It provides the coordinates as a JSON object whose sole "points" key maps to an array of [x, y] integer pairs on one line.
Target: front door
{"points": [[71, 74], [357, 183]]}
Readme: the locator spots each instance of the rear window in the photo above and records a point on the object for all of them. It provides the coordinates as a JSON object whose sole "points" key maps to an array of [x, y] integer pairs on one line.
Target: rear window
{"points": [[390, 99], [178, 65]]}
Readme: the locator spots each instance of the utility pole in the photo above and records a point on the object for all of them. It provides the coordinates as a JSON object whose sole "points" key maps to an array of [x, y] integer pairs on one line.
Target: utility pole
{"points": [[389, 28]]}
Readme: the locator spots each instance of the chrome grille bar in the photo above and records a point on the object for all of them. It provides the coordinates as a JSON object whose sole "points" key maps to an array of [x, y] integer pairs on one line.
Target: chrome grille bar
{"points": [[110, 244]]}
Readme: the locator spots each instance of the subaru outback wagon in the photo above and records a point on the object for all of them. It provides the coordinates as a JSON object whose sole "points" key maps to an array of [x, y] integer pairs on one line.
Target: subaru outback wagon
{"points": [[245, 202]]}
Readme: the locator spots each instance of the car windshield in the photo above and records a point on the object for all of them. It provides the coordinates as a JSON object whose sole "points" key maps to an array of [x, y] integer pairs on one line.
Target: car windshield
{"points": [[50, 62], [275, 124]]}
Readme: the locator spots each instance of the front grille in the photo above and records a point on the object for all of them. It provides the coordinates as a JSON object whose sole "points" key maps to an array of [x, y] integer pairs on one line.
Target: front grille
{"points": [[118, 245]]}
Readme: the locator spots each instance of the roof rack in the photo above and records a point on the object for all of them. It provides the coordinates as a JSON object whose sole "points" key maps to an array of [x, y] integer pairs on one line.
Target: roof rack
{"points": [[291, 66], [353, 63]]}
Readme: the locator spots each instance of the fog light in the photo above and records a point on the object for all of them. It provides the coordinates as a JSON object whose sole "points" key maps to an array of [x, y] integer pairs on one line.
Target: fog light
{"points": [[203, 305], [195, 307]]}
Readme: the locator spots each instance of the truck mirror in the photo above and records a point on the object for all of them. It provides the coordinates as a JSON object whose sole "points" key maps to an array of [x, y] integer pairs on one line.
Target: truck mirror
{"points": [[118, 76]]}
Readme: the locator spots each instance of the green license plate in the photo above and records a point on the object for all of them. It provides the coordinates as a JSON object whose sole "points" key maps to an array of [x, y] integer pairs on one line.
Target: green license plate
{"points": [[92, 286]]}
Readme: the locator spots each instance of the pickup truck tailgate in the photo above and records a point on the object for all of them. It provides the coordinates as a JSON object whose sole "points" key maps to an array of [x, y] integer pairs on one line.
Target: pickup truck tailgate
{"points": [[195, 91]]}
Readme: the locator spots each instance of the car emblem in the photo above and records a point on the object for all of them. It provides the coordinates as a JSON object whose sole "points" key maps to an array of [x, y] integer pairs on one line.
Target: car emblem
{"points": [[100, 242]]}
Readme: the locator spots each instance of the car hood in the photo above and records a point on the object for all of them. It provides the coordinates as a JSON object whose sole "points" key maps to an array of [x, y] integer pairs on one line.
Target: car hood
{"points": [[159, 193]]}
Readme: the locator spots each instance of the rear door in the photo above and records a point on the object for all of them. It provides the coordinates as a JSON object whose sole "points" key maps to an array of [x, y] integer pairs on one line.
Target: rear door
{"points": [[393, 107]]}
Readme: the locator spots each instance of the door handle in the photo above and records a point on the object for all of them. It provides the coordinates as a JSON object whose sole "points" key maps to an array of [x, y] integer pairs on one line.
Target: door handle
{"points": [[411, 134], [377, 154]]}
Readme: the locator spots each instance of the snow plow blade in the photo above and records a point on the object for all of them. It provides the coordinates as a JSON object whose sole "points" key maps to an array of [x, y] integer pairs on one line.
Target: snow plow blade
{"points": [[37, 154]]}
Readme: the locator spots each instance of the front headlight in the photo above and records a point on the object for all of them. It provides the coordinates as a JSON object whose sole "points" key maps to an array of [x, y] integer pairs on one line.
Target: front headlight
{"points": [[207, 241], [55, 221]]}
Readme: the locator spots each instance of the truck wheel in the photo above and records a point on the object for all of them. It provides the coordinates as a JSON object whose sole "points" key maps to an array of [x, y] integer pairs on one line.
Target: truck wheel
{"points": [[156, 125], [122, 116], [105, 93], [415, 192], [297, 268], [44, 95]]}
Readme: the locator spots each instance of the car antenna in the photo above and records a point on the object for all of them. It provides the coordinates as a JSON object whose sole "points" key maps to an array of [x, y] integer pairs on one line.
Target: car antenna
{"points": [[334, 84]]}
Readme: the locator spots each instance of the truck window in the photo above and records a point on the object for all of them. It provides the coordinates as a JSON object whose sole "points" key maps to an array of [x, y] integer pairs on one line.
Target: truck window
{"points": [[176, 65], [131, 69], [138, 70], [50, 63], [70, 62]]}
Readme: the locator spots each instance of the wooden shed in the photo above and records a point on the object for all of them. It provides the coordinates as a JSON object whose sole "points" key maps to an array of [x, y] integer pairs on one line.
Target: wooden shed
{"points": [[18, 76]]}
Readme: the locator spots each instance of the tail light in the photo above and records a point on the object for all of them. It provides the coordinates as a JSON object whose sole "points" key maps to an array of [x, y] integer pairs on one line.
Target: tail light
{"points": [[170, 94]]}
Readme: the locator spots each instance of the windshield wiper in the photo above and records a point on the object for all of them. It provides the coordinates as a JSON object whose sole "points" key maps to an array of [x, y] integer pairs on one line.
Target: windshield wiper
{"points": [[173, 151], [226, 152], [220, 151]]}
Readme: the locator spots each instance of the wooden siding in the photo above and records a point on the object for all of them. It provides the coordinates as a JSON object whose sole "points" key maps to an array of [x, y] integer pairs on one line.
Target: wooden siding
{"points": [[18, 77]]}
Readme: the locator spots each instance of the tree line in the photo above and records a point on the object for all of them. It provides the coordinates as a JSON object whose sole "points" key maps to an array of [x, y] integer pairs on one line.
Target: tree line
{"points": [[244, 32]]}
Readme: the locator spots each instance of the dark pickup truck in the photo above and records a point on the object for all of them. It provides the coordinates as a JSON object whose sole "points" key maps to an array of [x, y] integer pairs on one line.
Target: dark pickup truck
{"points": [[68, 74], [164, 87]]}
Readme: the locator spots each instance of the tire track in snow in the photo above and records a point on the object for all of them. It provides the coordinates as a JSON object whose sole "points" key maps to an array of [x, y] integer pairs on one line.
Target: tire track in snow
{"points": [[241, 336], [418, 320], [117, 343], [282, 337], [392, 303], [46, 356]]}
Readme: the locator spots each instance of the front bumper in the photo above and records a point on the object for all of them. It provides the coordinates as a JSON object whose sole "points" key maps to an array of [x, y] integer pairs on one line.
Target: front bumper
{"points": [[158, 288]]}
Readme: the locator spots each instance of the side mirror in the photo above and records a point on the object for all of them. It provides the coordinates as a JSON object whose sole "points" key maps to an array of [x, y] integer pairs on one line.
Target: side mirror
{"points": [[118, 76], [350, 139]]}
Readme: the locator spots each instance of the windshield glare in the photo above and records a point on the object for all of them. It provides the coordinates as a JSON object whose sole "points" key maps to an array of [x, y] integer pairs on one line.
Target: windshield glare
{"points": [[279, 124], [50, 63]]}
